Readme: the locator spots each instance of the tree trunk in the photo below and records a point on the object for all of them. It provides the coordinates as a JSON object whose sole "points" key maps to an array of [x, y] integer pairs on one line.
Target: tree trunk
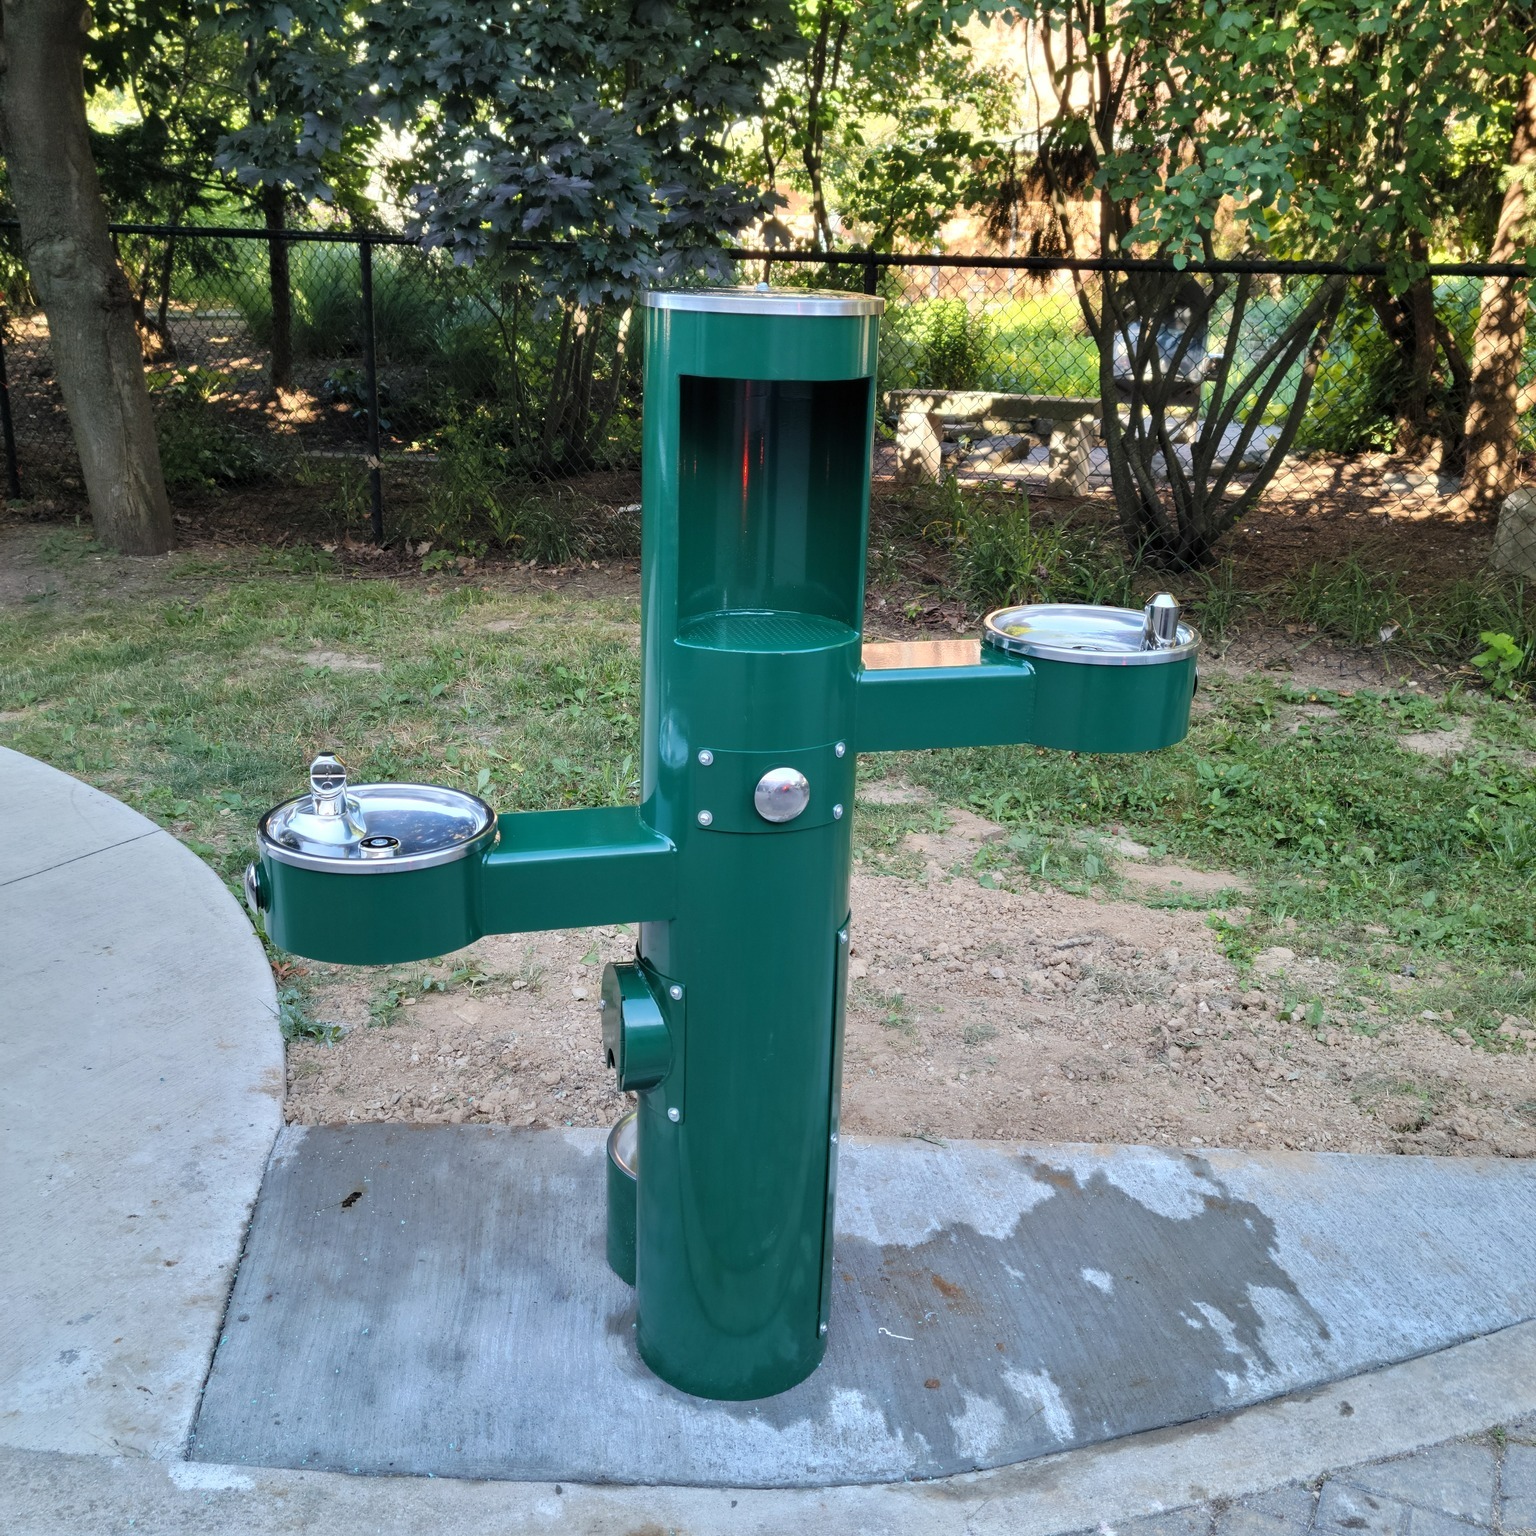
{"points": [[1493, 414], [273, 207], [82, 288]]}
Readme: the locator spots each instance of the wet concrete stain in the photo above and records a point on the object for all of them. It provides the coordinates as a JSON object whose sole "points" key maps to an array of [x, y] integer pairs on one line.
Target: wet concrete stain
{"points": [[1012, 1322], [460, 1319]]}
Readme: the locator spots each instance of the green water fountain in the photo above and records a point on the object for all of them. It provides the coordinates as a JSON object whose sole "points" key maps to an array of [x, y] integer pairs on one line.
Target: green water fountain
{"points": [[758, 693]]}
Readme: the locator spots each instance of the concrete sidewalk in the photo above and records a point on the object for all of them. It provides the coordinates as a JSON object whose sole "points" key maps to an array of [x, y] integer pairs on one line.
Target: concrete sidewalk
{"points": [[141, 1094], [1398, 1452]]}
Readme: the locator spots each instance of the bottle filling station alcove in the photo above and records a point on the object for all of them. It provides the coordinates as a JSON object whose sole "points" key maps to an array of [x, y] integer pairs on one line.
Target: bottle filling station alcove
{"points": [[757, 694]]}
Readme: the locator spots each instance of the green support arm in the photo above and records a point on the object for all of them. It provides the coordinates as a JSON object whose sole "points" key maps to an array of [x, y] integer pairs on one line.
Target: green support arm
{"points": [[942, 693], [576, 869]]}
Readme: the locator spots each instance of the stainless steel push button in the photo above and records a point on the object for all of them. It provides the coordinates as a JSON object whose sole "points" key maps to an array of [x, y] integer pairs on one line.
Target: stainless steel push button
{"points": [[781, 794]]}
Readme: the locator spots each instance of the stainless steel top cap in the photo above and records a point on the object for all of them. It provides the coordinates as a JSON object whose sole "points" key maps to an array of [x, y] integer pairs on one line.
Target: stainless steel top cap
{"points": [[764, 301]]}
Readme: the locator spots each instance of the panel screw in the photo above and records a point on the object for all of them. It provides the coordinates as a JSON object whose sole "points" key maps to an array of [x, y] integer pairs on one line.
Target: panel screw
{"points": [[834, 1138], [822, 1330], [674, 1114], [837, 813], [840, 749], [675, 992], [842, 935], [706, 757], [706, 817]]}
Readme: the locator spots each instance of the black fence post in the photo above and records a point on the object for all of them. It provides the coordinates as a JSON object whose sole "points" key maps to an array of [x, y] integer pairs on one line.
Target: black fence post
{"points": [[371, 372], [871, 275], [12, 477]]}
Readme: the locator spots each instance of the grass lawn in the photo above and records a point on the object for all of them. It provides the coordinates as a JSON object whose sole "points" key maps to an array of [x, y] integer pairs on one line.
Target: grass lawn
{"points": [[200, 697]]}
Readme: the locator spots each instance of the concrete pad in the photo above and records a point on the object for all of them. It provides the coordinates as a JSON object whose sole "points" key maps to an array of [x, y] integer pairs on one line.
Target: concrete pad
{"points": [[991, 1304], [1459, 1391], [141, 1094]]}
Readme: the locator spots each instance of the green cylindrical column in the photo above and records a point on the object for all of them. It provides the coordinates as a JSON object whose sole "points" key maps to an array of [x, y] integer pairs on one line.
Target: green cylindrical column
{"points": [[759, 420]]}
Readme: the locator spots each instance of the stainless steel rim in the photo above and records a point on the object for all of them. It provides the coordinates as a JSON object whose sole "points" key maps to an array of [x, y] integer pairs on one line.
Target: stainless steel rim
{"points": [[1043, 650], [281, 853], [761, 301], [623, 1140]]}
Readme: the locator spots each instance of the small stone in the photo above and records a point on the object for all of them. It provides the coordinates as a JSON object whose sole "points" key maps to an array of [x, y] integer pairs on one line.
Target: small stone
{"points": [[551, 1079], [580, 993], [858, 969], [997, 973]]}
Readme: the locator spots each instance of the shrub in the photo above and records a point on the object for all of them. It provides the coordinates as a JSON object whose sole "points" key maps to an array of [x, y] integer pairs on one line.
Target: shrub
{"points": [[198, 446], [1001, 554]]}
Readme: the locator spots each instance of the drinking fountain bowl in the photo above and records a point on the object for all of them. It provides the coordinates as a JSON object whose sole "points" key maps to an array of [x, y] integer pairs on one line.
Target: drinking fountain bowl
{"points": [[318, 875], [1107, 679]]}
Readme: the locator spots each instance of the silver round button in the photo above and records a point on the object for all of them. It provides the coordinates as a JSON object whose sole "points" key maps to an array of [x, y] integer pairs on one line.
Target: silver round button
{"points": [[781, 794]]}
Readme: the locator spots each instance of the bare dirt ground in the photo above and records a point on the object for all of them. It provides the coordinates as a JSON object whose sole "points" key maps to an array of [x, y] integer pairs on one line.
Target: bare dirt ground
{"points": [[974, 1012]]}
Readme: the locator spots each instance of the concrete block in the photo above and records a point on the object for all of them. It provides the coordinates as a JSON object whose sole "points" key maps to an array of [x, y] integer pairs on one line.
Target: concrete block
{"points": [[1456, 1479], [1434, 1522], [1243, 1520], [1346, 1511], [919, 446], [1068, 471], [1292, 1505], [1514, 541], [1517, 1489]]}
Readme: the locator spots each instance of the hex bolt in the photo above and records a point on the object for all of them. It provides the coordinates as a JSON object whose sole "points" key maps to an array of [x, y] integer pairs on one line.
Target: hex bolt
{"points": [[822, 1330], [837, 813], [842, 935], [674, 1114], [706, 757], [840, 749], [834, 1138], [675, 992], [706, 817]]}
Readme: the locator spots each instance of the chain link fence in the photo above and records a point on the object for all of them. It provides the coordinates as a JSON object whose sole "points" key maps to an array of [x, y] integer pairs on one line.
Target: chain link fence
{"points": [[363, 385]]}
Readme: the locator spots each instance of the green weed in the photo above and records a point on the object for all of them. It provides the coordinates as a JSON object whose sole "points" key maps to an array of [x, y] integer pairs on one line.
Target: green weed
{"points": [[894, 1010], [296, 1019], [1500, 662]]}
